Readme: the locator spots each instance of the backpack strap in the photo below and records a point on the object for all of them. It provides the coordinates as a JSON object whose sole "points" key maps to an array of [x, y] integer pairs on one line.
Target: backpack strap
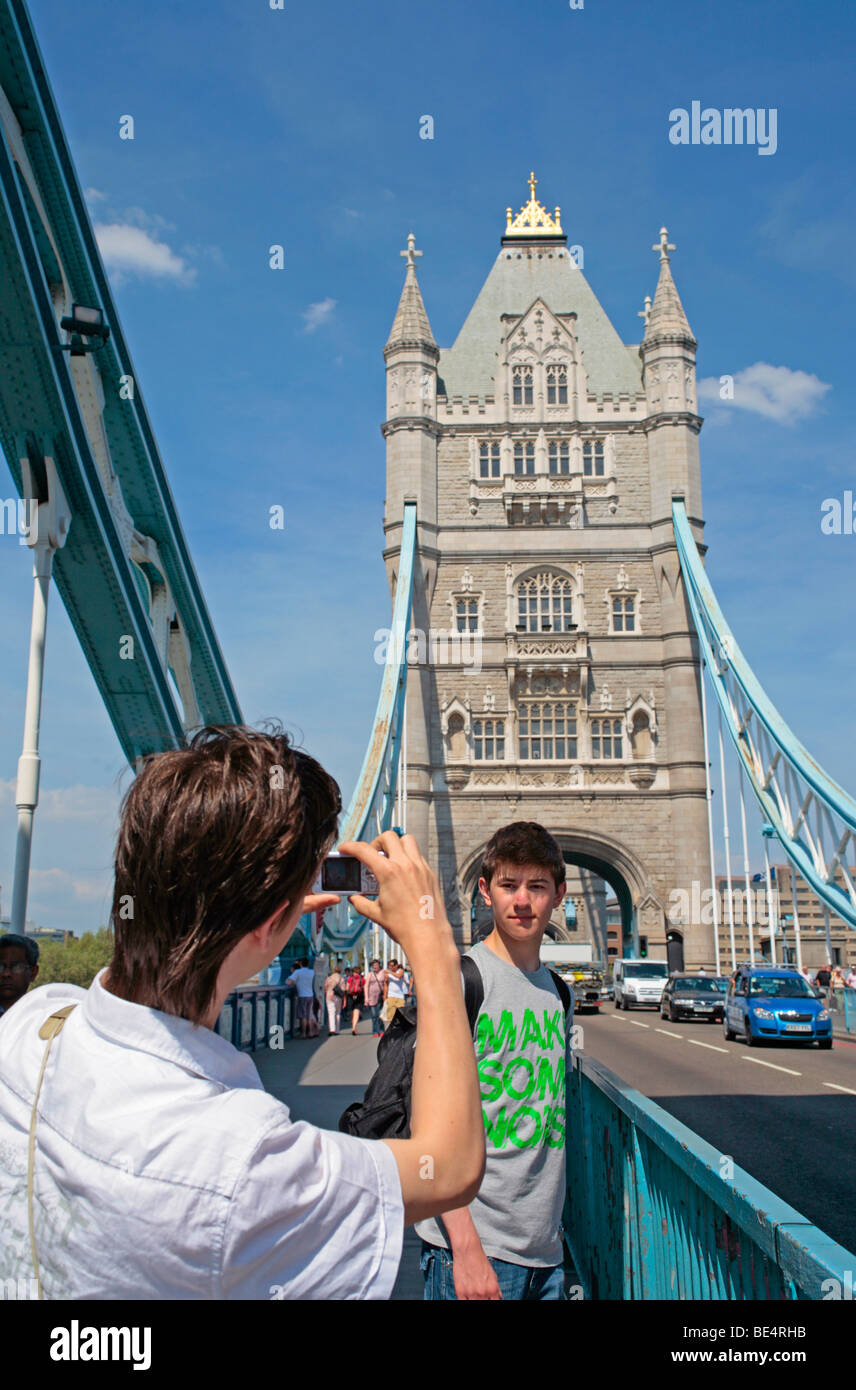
{"points": [[564, 992], [473, 989], [47, 1033]]}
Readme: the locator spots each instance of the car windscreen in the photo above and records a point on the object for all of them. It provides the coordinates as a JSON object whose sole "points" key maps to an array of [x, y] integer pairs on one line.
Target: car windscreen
{"points": [[693, 984], [781, 987], [646, 969]]}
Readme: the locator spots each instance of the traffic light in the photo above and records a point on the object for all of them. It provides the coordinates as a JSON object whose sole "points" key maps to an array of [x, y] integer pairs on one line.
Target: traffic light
{"points": [[643, 948]]}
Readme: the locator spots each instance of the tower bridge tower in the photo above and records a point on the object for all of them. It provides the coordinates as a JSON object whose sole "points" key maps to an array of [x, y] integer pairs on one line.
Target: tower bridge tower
{"points": [[556, 677]]}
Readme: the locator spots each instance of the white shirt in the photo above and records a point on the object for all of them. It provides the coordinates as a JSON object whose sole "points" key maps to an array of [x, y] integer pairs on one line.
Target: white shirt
{"points": [[304, 978], [164, 1170], [396, 986]]}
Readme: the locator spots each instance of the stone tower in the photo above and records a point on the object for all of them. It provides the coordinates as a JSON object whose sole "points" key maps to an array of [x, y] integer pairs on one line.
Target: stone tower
{"points": [[555, 675]]}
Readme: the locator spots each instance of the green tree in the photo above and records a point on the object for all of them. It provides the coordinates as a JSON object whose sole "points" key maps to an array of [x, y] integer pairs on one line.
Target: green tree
{"points": [[76, 961]]}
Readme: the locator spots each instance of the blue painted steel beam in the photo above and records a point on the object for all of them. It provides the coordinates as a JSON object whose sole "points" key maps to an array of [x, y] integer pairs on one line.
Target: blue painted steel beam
{"points": [[372, 805], [40, 412], [780, 769]]}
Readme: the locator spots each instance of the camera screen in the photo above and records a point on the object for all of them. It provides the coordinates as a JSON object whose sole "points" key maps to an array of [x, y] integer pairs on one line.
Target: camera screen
{"points": [[341, 874]]}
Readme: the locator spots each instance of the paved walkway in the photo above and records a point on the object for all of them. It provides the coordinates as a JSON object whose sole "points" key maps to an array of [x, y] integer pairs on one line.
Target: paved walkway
{"points": [[317, 1079]]}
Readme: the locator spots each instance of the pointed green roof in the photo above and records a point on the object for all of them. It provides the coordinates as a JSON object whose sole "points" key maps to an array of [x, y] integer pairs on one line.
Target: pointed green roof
{"points": [[518, 277]]}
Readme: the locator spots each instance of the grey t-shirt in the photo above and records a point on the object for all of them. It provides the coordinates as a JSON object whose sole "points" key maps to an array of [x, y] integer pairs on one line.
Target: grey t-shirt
{"points": [[522, 1046]]}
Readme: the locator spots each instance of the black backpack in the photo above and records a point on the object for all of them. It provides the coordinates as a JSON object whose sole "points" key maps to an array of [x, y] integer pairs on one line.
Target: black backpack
{"points": [[384, 1111]]}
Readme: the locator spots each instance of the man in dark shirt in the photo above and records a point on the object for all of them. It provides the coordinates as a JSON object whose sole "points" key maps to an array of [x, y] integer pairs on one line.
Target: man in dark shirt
{"points": [[19, 966]]}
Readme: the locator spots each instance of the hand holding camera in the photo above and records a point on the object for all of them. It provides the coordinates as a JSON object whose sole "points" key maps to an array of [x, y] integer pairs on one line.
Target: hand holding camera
{"points": [[409, 903]]}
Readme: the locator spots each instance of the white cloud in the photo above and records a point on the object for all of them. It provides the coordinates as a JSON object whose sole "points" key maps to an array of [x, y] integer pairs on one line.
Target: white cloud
{"points": [[131, 251], [47, 884], [777, 393], [318, 314]]}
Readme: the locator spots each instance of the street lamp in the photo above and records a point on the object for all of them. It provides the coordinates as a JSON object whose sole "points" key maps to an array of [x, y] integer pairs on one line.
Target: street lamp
{"points": [[84, 322]]}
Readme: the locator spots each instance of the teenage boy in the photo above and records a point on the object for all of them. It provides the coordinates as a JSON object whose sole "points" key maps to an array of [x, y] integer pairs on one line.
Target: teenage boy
{"points": [[161, 1169], [507, 1242]]}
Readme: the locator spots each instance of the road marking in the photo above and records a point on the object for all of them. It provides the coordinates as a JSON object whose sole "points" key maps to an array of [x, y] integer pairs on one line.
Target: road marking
{"points": [[789, 1070], [668, 1034], [849, 1091], [713, 1047], [637, 1024]]}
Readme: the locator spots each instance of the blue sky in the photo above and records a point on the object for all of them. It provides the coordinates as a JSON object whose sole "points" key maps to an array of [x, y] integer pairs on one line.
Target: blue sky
{"points": [[301, 127]]}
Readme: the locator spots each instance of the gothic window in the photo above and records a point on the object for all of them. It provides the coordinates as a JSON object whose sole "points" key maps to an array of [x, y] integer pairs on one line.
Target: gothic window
{"points": [[547, 729], [489, 740], [560, 457], [522, 383], [524, 458], [456, 739], [489, 464], [606, 740], [467, 614], [557, 385], [545, 603], [624, 613], [640, 736], [593, 458]]}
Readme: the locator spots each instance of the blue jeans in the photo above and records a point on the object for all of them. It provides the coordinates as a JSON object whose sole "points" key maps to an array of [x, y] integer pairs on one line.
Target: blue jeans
{"points": [[516, 1282], [377, 1026]]}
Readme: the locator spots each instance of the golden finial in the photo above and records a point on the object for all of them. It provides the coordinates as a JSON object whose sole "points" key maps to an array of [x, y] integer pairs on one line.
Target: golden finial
{"points": [[533, 219]]}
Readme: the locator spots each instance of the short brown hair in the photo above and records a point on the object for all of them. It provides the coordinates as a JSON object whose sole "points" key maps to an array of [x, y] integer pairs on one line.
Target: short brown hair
{"points": [[524, 842], [214, 838]]}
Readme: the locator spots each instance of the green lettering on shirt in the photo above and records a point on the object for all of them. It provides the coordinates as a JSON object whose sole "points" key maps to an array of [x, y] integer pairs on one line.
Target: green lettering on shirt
{"points": [[490, 1039], [531, 1031], [496, 1130], [554, 1030], [518, 1064], [550, 1077], [489, 1073], [514, 1123]]}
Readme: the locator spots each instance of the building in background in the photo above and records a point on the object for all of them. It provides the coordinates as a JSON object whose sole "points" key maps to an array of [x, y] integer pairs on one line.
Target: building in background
{"points": [[554, 673]]}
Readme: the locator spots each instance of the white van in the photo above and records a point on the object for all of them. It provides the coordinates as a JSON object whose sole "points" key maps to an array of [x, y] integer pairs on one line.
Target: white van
{"points": [[639, 982]]}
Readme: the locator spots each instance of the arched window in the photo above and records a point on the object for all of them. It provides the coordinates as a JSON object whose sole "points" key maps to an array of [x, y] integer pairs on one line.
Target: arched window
{"points": [[640, 736], [547, 729], [456, 738], [489, 739], [489, 461], [593, 458], [467, 614], [606, 740], [522, 385], [524, 458], [560, 457], [557, 384], [545, 603]]}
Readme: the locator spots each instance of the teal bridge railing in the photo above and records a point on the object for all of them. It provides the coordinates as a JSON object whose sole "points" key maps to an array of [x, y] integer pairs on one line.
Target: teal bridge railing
{"points": [[655, 1212]]}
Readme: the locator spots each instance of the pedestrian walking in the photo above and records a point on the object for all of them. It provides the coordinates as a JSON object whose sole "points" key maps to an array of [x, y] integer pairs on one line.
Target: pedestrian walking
{"points": [[374, 996], [334, 994], [395, 990], [354, 991]]}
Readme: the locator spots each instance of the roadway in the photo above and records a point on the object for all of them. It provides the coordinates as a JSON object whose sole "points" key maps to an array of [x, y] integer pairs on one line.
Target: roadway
{"points": [[785, 1112]]}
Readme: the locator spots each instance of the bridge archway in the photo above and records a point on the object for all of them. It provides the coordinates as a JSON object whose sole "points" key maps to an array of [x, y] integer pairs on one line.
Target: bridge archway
{"points": [[602, 855]]}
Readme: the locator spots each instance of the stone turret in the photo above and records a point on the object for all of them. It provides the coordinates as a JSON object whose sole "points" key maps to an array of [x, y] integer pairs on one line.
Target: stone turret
{"points": [[411, 432], [410, 428]]}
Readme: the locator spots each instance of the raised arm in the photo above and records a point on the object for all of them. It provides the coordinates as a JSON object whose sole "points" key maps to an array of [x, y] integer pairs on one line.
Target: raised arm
{"points": [[442, 1163]]}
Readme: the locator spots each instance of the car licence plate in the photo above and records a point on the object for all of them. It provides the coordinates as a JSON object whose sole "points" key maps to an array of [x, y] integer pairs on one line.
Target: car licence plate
{"points": [[703, 1008], [797, 1027]]}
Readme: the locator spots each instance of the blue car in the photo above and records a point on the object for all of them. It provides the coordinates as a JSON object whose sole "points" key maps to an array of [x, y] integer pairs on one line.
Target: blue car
{"points": [[775, 1002]]}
